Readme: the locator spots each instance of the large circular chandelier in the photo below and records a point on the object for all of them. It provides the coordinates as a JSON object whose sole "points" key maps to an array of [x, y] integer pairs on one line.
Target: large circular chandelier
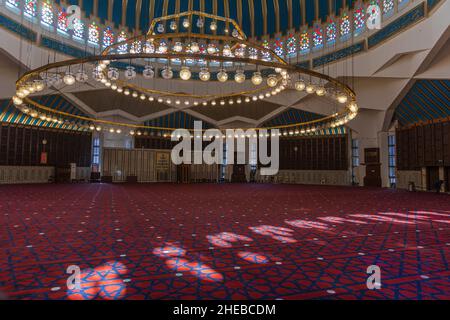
{"points": [[187, 59]]}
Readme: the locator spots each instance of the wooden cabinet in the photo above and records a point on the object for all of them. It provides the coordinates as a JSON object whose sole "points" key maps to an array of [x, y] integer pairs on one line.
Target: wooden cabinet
{"points": [[373, 167]]}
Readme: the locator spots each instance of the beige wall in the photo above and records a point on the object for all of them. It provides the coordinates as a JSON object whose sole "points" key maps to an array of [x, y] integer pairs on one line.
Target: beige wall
{"points": [[34, 174], [405, 176], [120, 163], [25, 174]]}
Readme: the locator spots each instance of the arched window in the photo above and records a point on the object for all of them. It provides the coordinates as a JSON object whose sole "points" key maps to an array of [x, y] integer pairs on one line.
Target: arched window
{"points": [[291, 45], [238, 52], [47, 13], [345, 27], [266, 54], [304, 42], [380, 7], [61, 24], [253, 53], [78, 30], [331, 32], [30, 8], [136, 47], [108, 37], [317, 36], [13, 4], [278, 47], [94, 34], [374, 12], [122, 37], [388, 8], [149, 47], [359, 20]]}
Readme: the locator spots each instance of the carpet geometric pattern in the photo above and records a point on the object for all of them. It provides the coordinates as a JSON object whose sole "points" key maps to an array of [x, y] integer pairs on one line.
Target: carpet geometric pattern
{"points": [[221, 241]]}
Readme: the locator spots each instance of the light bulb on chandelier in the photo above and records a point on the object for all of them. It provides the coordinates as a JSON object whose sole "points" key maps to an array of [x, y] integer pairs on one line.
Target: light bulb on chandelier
{"points": [[272, 80], [148, 72], [167, 73], [239, 76], [204, 74], [342, 98], [257, 78], [222, 75], [185, 73], [310, 88], [300, 85], [69, 79], [320, 91]]}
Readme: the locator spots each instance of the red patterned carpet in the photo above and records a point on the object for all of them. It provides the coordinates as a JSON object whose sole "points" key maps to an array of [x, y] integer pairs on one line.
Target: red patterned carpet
{"points": [[206, 241]]}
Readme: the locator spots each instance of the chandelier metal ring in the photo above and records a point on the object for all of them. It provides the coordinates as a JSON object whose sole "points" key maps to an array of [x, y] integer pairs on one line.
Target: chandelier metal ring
{"points": [[157, 52]]}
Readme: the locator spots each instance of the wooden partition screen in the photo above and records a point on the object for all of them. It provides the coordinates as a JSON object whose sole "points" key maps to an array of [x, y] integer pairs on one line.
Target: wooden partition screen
{"points": [[314, 153], [22, 146], [147, 165], [423, 146]]}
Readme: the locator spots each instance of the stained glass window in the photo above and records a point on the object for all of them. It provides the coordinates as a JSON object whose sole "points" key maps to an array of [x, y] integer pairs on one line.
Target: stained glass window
{"points": [[46, 13], [290, 45], [359, 20], [388, 7], [304, 42], [345, 26], [108, 37], [30, 8], [374, 14], [278, 47], [239, 51], [13, 3], [94, 34], [377, 3], [136, 47], [317, 36], [253, 53], [266, 54], [201, 48], [124, 47], [78, 29], [331, 32], [149, 47], [61, 24]]}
